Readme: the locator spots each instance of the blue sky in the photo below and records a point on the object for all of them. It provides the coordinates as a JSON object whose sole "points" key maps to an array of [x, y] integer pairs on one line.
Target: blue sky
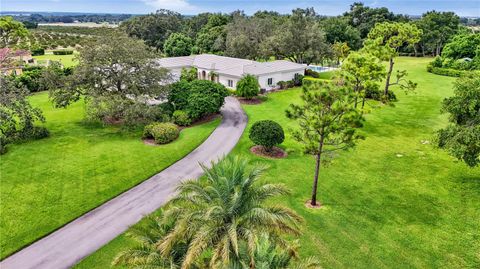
{"points": [[326, 7]]}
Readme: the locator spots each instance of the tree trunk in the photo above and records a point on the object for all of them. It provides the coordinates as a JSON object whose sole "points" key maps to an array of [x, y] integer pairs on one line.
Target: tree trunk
{"points": [[363, 103], [389, 74], [313, 201]]}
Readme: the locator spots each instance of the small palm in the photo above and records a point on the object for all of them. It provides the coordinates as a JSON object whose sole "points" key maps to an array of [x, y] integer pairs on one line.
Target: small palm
{"points": [[224, 211]]}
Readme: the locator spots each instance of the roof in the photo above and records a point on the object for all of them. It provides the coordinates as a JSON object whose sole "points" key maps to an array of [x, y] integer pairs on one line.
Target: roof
{"points": [[229, 66]]}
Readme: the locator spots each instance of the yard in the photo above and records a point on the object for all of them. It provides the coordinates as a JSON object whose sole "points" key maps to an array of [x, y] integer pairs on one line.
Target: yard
{"points": [[65, 60], [49, 182], [395, 201]]}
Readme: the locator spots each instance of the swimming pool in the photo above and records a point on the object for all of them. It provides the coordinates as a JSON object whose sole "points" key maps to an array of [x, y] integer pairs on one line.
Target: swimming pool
{"points": [[318, 68]]}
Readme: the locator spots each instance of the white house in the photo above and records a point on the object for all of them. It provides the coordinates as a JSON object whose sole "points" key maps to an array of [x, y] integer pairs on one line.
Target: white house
{"points": [[228, 71]]}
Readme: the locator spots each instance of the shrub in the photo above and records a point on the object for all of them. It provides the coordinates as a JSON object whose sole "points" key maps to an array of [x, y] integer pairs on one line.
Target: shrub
{"points": [[38, 51], [266, 133], [178, 94], [282, 85], [181, 118], [248, 87], [311, 73], [297, 80], [62, 52], [30, 78], [39, 132], [189, 74], [3, 144], [206, 97], [33, 132], [161, 132]]}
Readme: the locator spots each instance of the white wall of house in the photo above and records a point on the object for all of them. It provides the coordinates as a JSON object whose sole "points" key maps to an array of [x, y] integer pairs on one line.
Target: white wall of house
{"points": [[263, 80], [231, 81], [224, 80]]}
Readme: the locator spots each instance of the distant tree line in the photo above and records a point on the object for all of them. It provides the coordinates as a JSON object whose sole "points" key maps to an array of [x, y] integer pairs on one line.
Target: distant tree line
{"points": [[96, 18], [302, 36]]}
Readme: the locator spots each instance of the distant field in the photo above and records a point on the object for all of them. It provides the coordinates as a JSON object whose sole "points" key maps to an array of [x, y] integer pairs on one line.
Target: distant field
{"points": [[65, 60], [80, 24]]}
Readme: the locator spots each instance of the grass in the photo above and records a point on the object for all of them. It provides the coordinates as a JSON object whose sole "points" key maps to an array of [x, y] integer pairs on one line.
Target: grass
{"points": [[47, 183], [392, 202], [65, 60]]}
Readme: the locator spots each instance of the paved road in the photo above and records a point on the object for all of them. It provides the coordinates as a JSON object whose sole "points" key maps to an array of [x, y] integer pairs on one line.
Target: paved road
{"points": [[83, 236]]}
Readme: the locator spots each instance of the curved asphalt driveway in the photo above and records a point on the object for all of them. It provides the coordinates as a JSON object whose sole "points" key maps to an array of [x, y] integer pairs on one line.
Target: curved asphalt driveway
{"points": [[81, 237]]}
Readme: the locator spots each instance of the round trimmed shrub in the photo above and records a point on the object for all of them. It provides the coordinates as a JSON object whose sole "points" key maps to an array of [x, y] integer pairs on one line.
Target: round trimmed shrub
{"points": [[181, 118], [267, 133], [161, 132], [248, 87]]}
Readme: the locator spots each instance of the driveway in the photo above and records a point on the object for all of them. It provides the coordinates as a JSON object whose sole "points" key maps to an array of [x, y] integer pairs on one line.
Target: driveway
{"points": [[83, 236]]}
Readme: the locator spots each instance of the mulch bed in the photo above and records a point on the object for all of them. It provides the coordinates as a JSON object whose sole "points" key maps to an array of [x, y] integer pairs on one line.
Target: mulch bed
{"points": [[253, 101], [308, 204], [276, 152], [150, 142]]}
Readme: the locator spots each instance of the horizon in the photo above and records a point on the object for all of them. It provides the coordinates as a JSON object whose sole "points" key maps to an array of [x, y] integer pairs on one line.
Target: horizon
{"points": [[468, 8]]}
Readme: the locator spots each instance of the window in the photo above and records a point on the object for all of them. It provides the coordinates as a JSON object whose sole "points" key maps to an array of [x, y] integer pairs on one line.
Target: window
{"points": [[270, 81], [230, 83]]}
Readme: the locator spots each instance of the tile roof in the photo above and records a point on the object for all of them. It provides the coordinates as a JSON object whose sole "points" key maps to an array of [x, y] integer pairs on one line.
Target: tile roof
{"points": [[228, 65]]}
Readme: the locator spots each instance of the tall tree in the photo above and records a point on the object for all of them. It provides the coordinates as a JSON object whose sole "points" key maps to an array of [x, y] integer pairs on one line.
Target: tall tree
{"points": [[363, 71], [117, 76], [438, 28], [211, 38], [153, 28], [192, 25], [364, 18], [340, 50], [10, 31], [227, 209], [385, 41], [178, 44], [300, 38], [337, 29], [246, 34], [461, 138], [328, 122], [17, 116]]}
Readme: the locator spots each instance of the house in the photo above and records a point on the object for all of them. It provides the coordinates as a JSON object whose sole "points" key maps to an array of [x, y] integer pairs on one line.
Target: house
{"points": [[228, 71], [12, 61]]}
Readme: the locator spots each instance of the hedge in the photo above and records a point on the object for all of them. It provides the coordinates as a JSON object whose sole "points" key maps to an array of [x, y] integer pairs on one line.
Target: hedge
{"points": [[307, 81], [449, 72], [62, 52]]}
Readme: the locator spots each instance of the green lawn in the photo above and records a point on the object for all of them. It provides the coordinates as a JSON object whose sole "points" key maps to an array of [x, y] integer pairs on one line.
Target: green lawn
{"points": [[46, 183], [65, 60], [392, 202]]}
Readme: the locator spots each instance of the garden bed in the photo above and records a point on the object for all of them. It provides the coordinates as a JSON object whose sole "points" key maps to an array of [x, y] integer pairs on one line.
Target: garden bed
{"points": [[276, 152], [253, 101]]}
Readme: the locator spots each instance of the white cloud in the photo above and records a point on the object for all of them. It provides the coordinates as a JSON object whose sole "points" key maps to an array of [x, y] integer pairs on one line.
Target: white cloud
{"points": [[181, 6]]}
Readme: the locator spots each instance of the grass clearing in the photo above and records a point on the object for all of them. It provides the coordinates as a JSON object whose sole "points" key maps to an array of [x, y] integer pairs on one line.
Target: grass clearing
{"points": [[395, 201], [66, 60], [49, 182]]}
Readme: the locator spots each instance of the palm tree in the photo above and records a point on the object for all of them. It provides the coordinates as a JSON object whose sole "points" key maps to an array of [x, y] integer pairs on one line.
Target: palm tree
{"points": [[267, 255], [225, 210], [145, 254]]}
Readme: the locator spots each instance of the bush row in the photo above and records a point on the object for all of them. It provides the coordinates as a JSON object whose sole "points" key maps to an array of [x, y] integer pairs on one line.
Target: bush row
{"points": [[62, 52], [448, 71]]}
